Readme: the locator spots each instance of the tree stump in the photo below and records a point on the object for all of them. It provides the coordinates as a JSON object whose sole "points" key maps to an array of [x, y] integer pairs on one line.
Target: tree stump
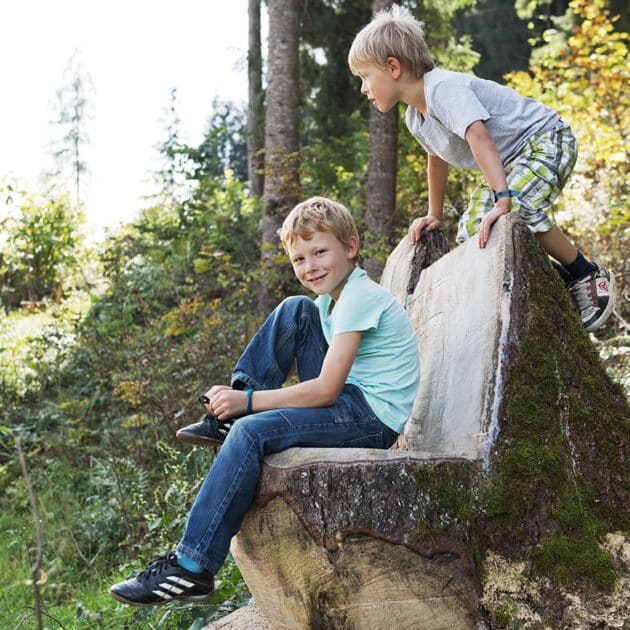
{"points": [[516, 449]]}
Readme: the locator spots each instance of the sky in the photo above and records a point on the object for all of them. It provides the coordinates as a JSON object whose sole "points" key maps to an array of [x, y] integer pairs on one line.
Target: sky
{"points": [[135, 51]]}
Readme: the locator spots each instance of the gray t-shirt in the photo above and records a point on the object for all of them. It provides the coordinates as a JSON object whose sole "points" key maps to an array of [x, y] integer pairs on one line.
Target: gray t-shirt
{"points": [[456, 100]]}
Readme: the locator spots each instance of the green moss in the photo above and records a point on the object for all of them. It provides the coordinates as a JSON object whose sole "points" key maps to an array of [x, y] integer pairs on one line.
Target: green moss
{"points": [[568, 561], [451, 491], [556, 393], [552, 490]]}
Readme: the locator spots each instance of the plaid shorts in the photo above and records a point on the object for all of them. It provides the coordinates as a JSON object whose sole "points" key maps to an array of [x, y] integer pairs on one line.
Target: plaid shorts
{"points": [[539, 173]]}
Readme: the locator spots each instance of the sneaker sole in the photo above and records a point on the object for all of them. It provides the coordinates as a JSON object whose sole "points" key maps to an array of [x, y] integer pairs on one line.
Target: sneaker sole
{"points": [[182, 436], [603, 318], [189, 598]]}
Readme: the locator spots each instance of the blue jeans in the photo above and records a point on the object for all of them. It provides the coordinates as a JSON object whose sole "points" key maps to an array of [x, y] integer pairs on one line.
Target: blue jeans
{"points": [[291, 335]]}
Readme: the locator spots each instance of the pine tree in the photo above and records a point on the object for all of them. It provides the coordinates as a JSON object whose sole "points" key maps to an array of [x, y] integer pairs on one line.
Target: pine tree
{"points": [[73, 110]]}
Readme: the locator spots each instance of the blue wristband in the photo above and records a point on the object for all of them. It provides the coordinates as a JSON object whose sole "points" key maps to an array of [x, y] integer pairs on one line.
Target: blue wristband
{"points": [[249, 391], [504, 193]]}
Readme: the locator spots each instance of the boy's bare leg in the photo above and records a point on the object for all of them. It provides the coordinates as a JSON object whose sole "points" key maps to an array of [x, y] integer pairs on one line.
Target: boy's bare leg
{"points": [[557, 245]]}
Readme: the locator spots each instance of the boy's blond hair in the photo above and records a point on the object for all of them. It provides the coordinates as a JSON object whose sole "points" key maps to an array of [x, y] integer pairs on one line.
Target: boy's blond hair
{"points": [[318, 214], [395, 33]]}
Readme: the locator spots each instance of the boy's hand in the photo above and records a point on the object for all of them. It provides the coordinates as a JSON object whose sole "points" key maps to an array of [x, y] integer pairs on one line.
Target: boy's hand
{"points": [[501, 207], [215, 389], [415, 229], [211, 396], [225, 402]]}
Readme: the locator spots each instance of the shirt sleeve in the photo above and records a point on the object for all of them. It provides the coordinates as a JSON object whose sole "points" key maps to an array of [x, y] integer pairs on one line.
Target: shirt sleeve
{"points": [[358, 310], [457, 107]]}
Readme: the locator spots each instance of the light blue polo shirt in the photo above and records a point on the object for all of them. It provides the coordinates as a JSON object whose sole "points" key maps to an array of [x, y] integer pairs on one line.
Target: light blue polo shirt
{"points": [[387, 367]]}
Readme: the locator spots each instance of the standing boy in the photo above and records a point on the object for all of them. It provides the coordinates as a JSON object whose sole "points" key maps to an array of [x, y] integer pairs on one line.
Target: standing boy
{"points": [[524, 149], [356, 357]]}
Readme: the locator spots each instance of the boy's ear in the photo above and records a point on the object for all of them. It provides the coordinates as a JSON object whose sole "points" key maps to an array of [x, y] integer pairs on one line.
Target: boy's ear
{"points": [[393, 66], [352, 247]]}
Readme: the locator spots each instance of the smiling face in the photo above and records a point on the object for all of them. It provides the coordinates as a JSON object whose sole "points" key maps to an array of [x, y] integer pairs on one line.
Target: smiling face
{"points": [[380, 85], [323, 263]]}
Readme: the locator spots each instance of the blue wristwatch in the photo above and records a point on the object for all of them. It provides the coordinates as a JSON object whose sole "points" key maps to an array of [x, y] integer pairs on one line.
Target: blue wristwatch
{"points": [[504, 193]]}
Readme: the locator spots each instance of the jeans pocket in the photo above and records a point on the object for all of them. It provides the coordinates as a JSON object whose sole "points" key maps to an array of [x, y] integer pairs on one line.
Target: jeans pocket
{"points": [[352, 407]]}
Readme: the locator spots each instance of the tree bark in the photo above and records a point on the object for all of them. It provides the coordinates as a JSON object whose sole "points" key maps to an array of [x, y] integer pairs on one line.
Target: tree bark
{"points": [[255, 112], [281, 187], [382, 169]]}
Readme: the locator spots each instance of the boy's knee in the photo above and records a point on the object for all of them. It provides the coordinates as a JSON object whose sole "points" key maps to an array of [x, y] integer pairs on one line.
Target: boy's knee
{"points": [[238, 431], [296, 300], [298, 304]]}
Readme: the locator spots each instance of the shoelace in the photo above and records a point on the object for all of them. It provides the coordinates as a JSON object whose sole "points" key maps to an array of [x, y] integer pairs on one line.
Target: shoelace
{"points": [[220, 427], [581, 292], [158, 565]]}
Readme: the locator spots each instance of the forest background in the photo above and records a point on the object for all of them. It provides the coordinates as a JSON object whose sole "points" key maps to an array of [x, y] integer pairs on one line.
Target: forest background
{"points": [[105, 347]]}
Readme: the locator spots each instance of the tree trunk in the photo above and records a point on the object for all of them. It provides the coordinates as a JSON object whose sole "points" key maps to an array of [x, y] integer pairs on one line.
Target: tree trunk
{"points": [[281, 187], [255, 112], [381, 184]]}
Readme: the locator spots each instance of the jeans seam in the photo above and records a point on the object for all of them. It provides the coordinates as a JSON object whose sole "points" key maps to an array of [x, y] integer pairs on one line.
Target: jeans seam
{"points": [[228, 498]]}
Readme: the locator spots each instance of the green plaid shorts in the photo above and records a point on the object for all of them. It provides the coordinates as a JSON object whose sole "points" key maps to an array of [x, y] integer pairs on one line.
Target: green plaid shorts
{"points": [[539, 173]]}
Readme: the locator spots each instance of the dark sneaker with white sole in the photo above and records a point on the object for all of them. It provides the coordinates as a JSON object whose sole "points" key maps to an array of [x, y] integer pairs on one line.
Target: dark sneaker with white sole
{"points": [[594, 295], [163, 581], [208, 432]]}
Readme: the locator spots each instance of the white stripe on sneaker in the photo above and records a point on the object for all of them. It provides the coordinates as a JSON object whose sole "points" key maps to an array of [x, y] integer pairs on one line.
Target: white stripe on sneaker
{"points": [[162, 594], [171, 588], [180, 581]]}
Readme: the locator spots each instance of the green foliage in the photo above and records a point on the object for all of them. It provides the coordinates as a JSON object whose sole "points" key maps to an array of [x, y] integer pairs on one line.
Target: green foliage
{"points": [[447, 50], [329, 93], [97, 391], [223, 148], [326, 172], [41, 246], [586, 82], [498, 35], [172, 173]]}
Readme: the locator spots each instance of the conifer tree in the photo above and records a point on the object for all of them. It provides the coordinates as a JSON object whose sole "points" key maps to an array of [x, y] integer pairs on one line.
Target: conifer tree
{"points": [[73, 110]]}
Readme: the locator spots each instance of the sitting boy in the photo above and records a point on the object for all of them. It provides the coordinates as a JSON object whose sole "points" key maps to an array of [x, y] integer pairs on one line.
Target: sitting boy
{"points": [[524, 149], [356, 357]]}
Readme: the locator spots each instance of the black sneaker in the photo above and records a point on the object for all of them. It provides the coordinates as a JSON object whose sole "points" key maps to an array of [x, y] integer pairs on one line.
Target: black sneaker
{"points": [[208, 432], [163, 581], [594, 294]]}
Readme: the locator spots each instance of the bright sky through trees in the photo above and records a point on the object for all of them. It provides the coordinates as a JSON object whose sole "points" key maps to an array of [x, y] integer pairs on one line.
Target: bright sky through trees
{"points": [[135, 52]]}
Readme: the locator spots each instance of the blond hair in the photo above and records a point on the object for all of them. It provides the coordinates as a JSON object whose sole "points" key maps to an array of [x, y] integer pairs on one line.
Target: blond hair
{"points": [[318, 214], [395, 33]]}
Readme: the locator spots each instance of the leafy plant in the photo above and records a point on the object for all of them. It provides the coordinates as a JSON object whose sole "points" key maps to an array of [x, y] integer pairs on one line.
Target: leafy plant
{"points": [[41, 246]]}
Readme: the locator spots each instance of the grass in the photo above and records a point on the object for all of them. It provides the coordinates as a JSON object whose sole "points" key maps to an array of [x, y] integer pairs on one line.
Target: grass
{"points": [[76, 599]]}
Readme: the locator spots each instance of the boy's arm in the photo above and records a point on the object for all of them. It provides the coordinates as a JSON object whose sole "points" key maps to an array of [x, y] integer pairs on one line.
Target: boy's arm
{"points": [[318, 392], [437, 174], [485, 153]]}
